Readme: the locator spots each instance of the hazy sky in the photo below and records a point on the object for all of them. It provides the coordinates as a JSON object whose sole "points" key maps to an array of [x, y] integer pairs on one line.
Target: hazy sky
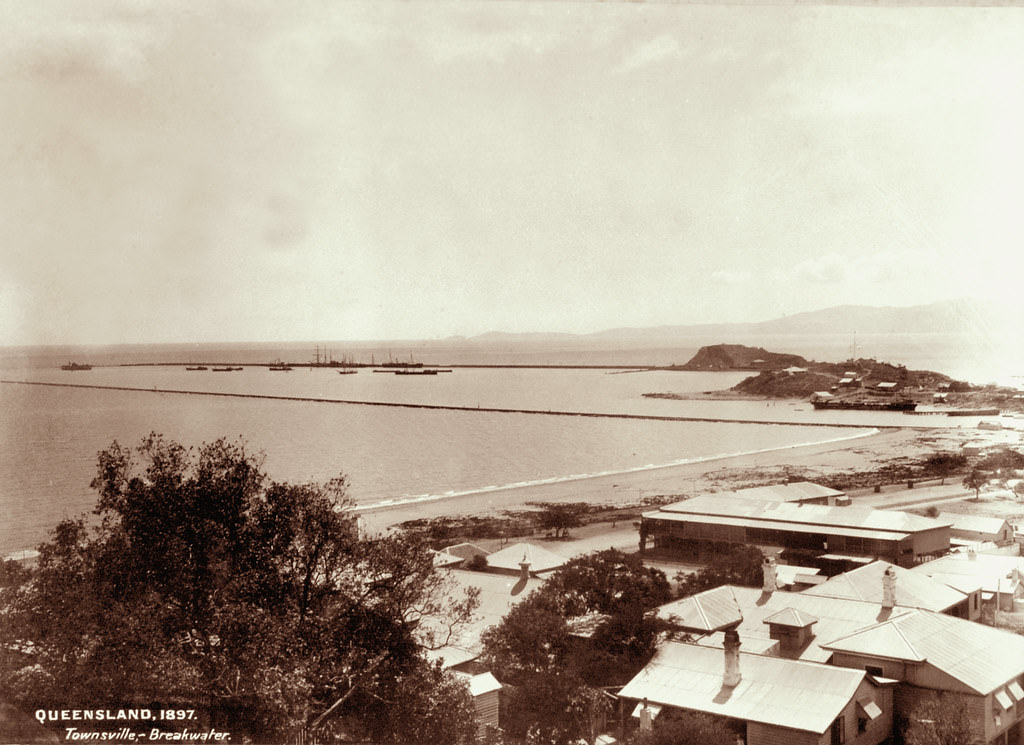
{"points": [[197, 171]]}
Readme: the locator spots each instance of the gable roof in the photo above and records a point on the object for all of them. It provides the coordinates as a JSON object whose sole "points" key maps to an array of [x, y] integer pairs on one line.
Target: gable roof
{"points": [[786, 693], [541, 560], [913, 589], [981, 657], [974, 523]]}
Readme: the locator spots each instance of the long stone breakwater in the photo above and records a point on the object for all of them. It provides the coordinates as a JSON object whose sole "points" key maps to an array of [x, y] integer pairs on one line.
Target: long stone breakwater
{"points": [[448, 407]]}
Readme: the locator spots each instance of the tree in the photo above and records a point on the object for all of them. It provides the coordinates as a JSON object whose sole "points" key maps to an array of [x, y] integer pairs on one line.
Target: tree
{"points": [[692, 728], [975, 480], [554, 678], [739, 565], [206, 582], [559, 517], [940, 720], [945, 463]]}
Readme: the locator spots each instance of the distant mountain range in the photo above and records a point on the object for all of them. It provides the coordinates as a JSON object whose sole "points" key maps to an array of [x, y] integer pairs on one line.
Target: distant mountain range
{"points": [[948, 317]]}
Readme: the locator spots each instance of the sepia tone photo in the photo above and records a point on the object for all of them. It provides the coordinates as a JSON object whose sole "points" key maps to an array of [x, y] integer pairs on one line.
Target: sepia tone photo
{"points": [[512, 373]]}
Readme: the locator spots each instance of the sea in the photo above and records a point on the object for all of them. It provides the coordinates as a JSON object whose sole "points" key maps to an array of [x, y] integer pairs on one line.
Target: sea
{"points": [[507, 414]]}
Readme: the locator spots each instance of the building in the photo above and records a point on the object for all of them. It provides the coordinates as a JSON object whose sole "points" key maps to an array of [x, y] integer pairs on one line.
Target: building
{"points": [[779, 623], [967, 529], [909, 589], [511, 559], [932, 652], [997, 576], [776, 701], [898, 537]]}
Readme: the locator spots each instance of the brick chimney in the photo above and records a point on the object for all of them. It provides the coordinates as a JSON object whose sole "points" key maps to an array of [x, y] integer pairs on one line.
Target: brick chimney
{"points": [[524, 568], [770, 574], [732, 658], [889, 588]]}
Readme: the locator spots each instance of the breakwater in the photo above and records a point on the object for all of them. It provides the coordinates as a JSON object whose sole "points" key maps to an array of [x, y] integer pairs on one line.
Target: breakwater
{"points": [[447, 407]]}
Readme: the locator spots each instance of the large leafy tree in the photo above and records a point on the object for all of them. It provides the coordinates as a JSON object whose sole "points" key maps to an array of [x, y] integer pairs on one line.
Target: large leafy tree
{"points": [[554, 677], [203, 582], [941, 719]]}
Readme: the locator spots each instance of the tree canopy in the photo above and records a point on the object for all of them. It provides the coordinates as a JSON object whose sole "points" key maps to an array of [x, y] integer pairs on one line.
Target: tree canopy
{"points": [[206, 583], [553, 673]]}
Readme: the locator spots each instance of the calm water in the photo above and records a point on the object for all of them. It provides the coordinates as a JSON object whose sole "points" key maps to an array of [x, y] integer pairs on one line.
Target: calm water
{"points": [[49, 436]]}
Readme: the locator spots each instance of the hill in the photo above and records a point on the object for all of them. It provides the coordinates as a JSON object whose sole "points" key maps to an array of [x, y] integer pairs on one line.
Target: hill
{"points": [[740, 357]]}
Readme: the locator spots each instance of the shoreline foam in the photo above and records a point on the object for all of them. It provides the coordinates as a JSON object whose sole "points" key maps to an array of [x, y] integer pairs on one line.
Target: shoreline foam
{"points": [[408, 501]]}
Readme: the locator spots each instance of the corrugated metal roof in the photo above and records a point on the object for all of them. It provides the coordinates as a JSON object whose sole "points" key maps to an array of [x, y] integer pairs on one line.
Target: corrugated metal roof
{"points": [[782, 525], [836, 617], [786, 574], [791, 617], [541, 560], [974, 523], [499, 593], [981, 657], [913, 589], [792, 492], [865, 518], [992, 571], [774, 691], [483, 683], [465, 550], [711, 610]]}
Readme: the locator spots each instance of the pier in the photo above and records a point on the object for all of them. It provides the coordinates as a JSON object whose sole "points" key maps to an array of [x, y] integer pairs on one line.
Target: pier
{"points": [[442, 407]]}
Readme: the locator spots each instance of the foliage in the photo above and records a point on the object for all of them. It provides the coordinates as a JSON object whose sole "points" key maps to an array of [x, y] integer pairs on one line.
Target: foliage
{"points": [[940, 720], [206, 583], [553, 676], [975, 480], [943, 464], [692, 728], [1003, 459], [559, 517], [739, 565]]}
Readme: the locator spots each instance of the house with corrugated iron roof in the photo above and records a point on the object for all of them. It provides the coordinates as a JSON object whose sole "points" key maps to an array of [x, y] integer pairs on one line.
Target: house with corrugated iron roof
{"points": [[997, 576], [932, 652], [537, 559], [861, 532], [910, 589], [970, 529], [773, 700]]}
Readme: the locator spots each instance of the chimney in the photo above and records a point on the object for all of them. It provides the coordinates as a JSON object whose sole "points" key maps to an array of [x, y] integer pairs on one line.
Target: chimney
{"points": [[889, 588], [770, 574], [524, 568], [732, 658]]}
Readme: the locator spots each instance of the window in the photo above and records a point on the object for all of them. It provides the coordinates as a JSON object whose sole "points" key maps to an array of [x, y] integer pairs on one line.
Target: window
{"points": [[839, 731], [874, 670]]}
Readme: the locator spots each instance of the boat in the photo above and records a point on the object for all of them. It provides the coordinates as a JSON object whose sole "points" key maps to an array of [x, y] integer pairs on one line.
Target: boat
{"points": [[279, 368], [347, 372], [198, 367], [421, 371], [75, 366], [226, 369], [862, 405]]}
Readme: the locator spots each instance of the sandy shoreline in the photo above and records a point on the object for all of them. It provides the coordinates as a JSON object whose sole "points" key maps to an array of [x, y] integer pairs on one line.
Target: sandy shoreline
{"points": [[805, 461]]}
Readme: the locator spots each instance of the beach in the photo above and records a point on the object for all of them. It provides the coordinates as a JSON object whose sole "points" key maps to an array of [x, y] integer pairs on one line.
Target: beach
{"points": [[871, 452]]}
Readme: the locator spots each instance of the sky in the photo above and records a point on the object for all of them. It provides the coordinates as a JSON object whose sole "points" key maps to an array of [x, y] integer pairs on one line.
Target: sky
{"points": [[178, 171]]}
